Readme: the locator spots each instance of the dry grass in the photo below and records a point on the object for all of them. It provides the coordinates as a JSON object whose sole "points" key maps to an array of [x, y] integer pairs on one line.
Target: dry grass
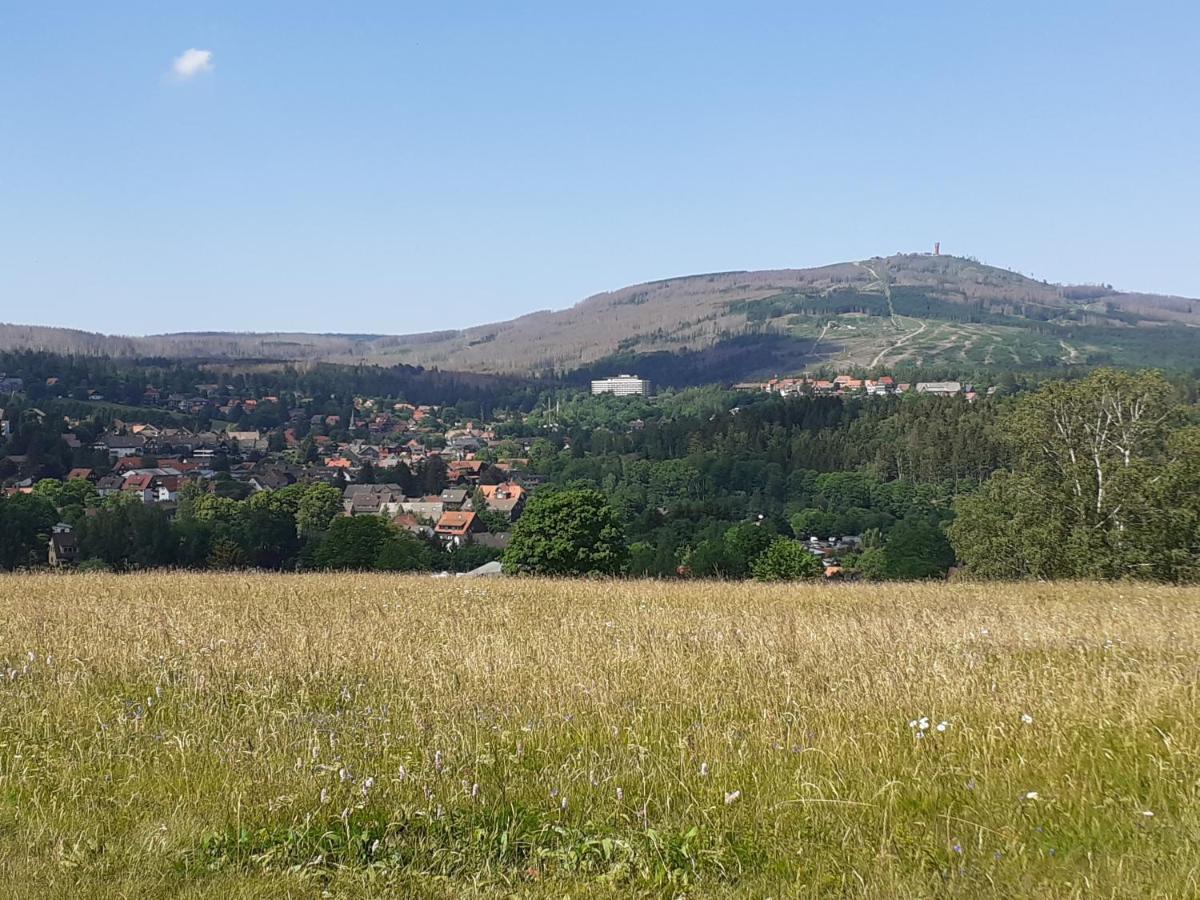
{"points": [[230, 736]]}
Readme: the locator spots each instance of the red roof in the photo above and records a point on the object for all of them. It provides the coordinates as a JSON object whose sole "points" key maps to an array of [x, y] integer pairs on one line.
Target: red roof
{"points": [[455, 524], [507, 491]]}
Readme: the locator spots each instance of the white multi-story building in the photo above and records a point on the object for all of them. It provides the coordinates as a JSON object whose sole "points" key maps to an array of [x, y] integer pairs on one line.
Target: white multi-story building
{"points": [[622, 386]]}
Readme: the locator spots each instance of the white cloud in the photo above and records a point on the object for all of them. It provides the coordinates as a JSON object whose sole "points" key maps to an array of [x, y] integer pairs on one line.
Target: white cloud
{"points": [[191, 63]]}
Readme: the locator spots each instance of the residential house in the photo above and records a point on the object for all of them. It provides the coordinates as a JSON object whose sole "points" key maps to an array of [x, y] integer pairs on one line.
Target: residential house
{"points": [[119, 446], [464, 445], [427, 509], [370, 499], [412, 524], [457, 528], [454, 499], [248, 440], [153, 485], [63, 549], [271, 480], [508, 499], [109, 484], [141, 485]]}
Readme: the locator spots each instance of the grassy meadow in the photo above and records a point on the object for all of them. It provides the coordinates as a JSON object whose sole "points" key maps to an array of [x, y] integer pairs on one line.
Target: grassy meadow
{"points": [[178, 735]]}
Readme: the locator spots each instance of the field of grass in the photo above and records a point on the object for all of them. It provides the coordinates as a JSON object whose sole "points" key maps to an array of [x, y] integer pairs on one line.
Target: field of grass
{"points": [[307, 736]]}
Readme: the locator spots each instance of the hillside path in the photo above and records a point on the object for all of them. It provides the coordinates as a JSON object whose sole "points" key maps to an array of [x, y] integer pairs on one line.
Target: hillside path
{"points": [[887, 290], [820, 337], [900, 343]]}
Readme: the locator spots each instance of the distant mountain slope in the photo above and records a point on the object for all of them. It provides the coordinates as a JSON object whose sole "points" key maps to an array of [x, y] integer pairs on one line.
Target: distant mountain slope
{"points": [[882, 311]]}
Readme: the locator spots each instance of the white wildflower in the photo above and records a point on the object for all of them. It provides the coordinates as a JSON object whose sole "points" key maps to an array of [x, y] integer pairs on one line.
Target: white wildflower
{"points": [[1027, 718], [1031, 795], [942, 726], [703, 770], [732, 797]]}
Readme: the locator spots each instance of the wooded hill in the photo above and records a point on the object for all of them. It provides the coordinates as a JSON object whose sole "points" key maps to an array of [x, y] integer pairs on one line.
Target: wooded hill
{"points": [[915, 310]]}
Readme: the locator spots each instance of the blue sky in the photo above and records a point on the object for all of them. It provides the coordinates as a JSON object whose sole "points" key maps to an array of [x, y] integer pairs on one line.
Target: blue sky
{"points": [[391, 167]]}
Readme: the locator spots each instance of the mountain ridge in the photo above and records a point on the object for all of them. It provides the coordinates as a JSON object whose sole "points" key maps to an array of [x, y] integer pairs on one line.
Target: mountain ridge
{"points": [[915, 308]]}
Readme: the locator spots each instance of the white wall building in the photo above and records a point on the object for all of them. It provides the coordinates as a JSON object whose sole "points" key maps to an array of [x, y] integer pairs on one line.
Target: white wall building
{"points": [[622, 386]]}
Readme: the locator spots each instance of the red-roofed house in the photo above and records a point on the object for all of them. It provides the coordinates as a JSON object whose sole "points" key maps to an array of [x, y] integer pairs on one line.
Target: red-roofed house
{"points": [[456, 528], [507, 499]]}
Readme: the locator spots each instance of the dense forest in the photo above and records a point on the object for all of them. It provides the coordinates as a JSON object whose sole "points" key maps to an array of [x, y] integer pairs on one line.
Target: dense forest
{"points": [[50, 376], [1094, 477]]}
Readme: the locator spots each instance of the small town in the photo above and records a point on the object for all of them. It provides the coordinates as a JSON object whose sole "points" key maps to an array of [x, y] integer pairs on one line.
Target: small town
{"points": [[458, 484]]}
